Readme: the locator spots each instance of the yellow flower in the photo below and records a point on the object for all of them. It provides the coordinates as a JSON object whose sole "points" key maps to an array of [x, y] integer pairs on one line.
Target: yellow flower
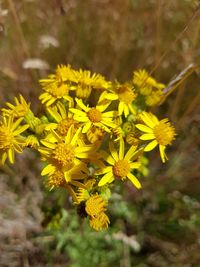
{"points": [[64, 154], [154, 98], [57, 86], [94, 116], [125, 94], [87, 81], [145, 82], [65, 74], [120, 165], [20, 109], [95, 205], [99, 222], [60, 178], [55, 92], [64, 120], [10, 138], [161, 133]]}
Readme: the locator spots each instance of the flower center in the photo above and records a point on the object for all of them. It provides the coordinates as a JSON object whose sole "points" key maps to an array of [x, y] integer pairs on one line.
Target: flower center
{"points": [[56, 180], [94, 115], [95, 205], [164, 133], [64, 126], [126, 94], [6, 137], [121, 168], [63, 154]]}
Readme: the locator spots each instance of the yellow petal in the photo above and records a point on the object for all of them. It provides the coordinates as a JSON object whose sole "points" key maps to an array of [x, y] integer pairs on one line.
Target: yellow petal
{"points": [[78, 112], [11, 155], [121, 108], [162, 153], [113, 151], [81, 105], [130, 152], [48, 144], [147, 119], [147, 136], [151, 146], [135, 165], [48, 169], [144, 128], [107, 178], [134, 180], [126, 110], [86, 127], [121, 149]]}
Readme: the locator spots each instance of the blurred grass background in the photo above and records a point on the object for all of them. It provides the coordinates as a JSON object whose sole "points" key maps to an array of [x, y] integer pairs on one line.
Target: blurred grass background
{"points": [[157, 226]]}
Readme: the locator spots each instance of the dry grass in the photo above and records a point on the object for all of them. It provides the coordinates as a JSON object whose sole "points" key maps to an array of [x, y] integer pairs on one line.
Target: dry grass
{"points": [[113, 38]]}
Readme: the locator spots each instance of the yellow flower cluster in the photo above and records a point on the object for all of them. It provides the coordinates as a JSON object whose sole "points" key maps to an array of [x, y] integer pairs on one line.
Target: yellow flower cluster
{"points": [[94, 134]]}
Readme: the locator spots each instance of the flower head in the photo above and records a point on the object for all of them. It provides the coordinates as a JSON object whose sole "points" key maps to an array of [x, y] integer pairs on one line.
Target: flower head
{"points": [[160, 133], [10, 138], [20, 109], [95, 205], [94, 116], [120, 166], [64, 120], [87, 81], [125, 94], [145, 83], [65, 154]]}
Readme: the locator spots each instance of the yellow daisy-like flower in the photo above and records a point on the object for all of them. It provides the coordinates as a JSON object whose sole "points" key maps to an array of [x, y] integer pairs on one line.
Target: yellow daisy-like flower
{"points": [[64, 75], [154, 98], [64, 154], [99, 222], [161, 133], [94, 116], [70, 177], [55, 92], [57, 86], [145, 82], [87, 81], [125, 94], [95, 205], [64, 120], [20, 109], [120, 165], [10, 138]]}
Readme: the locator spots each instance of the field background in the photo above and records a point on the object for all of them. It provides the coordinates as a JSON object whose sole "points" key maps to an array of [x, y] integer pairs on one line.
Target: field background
{"points": [[157, 226]]}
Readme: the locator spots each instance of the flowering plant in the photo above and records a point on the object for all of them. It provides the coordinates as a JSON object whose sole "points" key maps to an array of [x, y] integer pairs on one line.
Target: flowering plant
{"points": [[94, 133]]}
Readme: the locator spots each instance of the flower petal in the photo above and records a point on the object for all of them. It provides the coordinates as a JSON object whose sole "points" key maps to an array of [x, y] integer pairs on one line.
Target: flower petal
{"points": [[134, 180], [151, 146], [144, 128], [107, 178], [147, 136]]}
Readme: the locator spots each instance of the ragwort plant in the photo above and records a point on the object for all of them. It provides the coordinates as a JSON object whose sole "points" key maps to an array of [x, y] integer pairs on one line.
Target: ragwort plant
{"points": [[92, 134]]}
